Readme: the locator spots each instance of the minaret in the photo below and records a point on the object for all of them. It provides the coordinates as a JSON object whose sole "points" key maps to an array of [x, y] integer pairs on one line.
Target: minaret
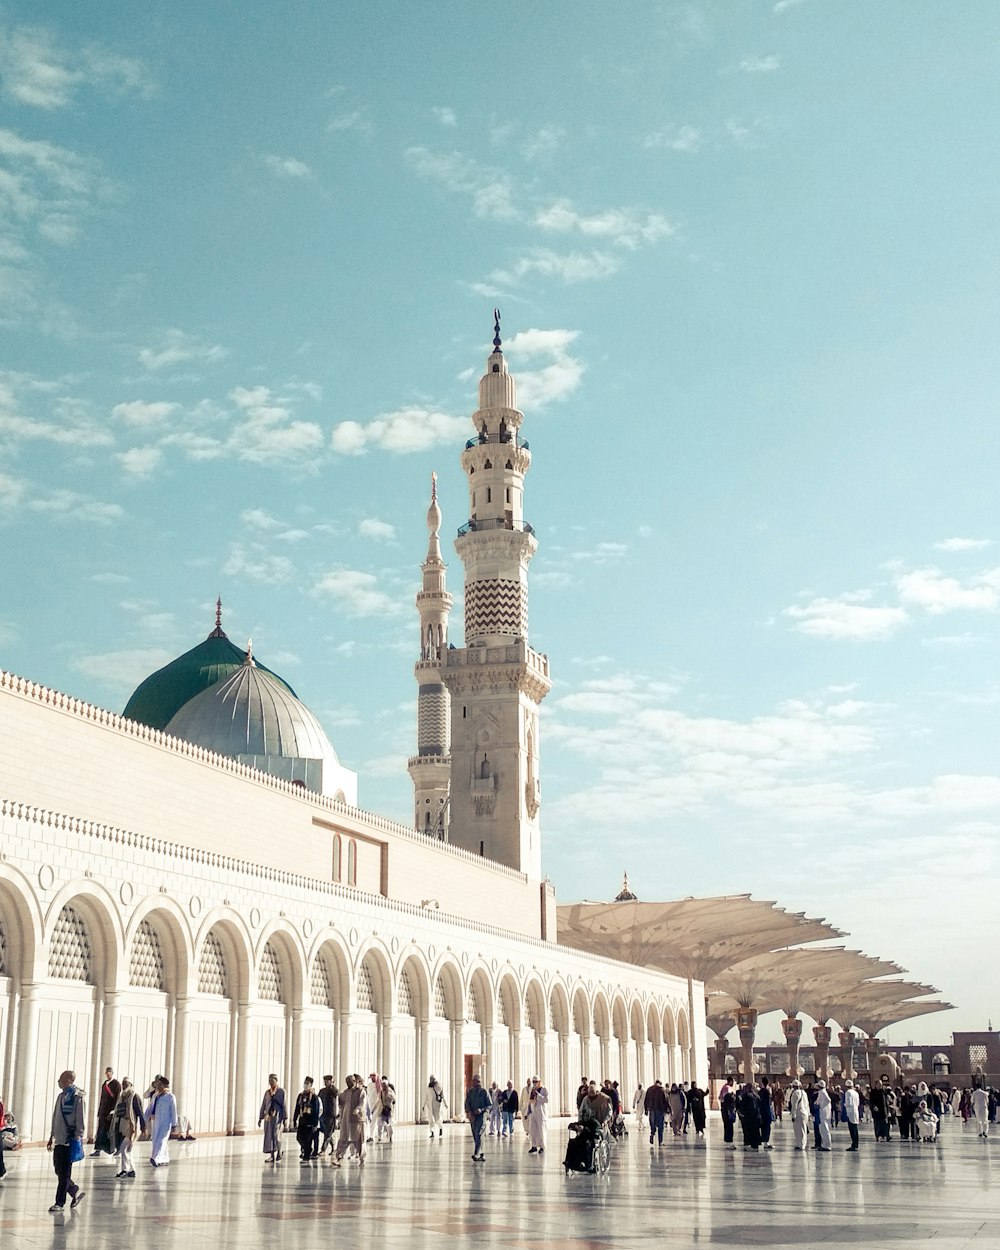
{"points": [[430, 768], [496, 681]]}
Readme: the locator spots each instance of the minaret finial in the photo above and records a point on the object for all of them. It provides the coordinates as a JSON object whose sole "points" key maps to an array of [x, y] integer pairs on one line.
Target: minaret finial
{"points": [[250, 659], [626, 895], [218, 613], [434, 487], [496, 329]]}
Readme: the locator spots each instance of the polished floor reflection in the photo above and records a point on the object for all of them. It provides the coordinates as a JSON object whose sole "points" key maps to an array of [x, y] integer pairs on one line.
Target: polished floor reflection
{"points": [[420, 1194]]}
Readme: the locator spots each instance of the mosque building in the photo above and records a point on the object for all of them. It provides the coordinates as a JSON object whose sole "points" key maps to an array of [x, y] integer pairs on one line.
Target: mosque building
{"points": [[191, 888]]}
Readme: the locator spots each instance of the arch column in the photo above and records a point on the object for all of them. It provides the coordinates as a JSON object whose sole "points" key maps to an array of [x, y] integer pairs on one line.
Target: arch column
{"points": [[846, 1039], [489, 1041], [242, 1094], [457, 1092], [384, 1049], [516, 1036], [746, 1023], [296, 1044], [27, 1044], [822, 1034], [721, 1048], [178, 1053]]}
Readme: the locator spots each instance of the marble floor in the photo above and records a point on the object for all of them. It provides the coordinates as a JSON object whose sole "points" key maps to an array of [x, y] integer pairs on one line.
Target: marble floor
{"points": [[419, 1194]]}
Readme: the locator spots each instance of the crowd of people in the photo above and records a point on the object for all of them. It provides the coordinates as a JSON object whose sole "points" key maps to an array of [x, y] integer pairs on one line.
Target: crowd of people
{"points": [[344, 1122]]}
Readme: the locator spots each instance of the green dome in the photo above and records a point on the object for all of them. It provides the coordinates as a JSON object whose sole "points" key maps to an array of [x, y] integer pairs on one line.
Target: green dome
{"points": [[160, 697]]}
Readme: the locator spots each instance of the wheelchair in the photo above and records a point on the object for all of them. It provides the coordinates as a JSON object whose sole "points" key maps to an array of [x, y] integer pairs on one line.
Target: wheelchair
{"points": [[588, 1150]]}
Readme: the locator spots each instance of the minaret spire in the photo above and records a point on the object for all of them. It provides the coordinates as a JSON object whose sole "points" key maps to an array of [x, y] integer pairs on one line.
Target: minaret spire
{"points": [[430, 768], [218, 632], [496, 329]]}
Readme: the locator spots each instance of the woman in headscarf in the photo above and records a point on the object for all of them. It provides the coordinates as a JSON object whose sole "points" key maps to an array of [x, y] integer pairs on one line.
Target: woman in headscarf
{"points": [[748, 1109], [127, 1122]]}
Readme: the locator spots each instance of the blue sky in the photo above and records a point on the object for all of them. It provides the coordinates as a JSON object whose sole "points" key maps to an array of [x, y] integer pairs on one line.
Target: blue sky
{"points": [[746, 255]]}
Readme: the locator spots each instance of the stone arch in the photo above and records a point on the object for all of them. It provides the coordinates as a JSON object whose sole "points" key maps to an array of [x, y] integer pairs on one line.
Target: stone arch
{"points": [[24, 948], [582, 1022], [509, 1013], [535, 1013], [619, 1019], [447, 983], [414, 969], [602, 1016], [480, 1000], [173, 934], [373, 968], [226, 928], [289, 959], [669, 1027], [654, 1025], [96, 908], [558, 1008], [329, 972], [637, 1023]]}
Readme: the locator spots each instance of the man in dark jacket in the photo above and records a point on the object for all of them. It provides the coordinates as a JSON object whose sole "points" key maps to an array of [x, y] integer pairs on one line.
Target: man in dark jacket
{"points": [[305, 1121], [656, 1106], [509, 1105], [102, 1129], [766, 1112]]}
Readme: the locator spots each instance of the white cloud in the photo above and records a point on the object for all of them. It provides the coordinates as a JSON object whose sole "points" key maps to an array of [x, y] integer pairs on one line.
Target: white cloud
{"points": [[760, 64], [556, 379], [266, 433], [743, 134], [931, 590], [782, 6], [73, 425], [542, 143], [178, 348], [109, 578], [260, 519], [356, 593], [963, 544], [371, 527], [624, 227], [491, 190], [140, 461], [13, 491], [35, 70], [568, 267], [848, 616], [445, 116], [403, 431], [955, 640], [253, 561], [674, 138], [602, 553], [69, 505], [354, 120], [142, 414], [287, 166]]}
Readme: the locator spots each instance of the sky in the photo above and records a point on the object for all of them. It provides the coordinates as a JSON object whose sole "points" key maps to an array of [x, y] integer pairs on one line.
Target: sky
{"points": [[746, 257]]}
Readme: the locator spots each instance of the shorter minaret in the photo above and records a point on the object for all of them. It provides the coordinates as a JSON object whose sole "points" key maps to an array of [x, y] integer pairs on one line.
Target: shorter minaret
{"points": [[430, 768]]}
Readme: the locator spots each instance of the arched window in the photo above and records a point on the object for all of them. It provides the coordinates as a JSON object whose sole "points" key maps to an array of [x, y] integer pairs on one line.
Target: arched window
{"points": [[352, 862], [212, 974], [145, 968], [440, 1002], [319, 985], [269, 976], [337, 855], [69, 952]]}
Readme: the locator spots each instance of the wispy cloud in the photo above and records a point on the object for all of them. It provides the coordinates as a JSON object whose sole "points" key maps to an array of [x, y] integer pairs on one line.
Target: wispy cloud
{"points": [[404, 431], [760, 64], [178, 348], [848, 616], [353, 120], [557, 378], [446, 116], [357, 593], [67, 423], [120, 672], [674, 138], [963, 544], [71, 506], [287, 166], [542, 143], [936, 593], [622, 227], [490, 190], [568, 267], [36, 70], [267, 433], [372, 527], [139, 414], [252, 561], [139, 462]]}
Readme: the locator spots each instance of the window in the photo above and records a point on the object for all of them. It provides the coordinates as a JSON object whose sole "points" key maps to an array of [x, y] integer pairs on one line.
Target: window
{"points": [[337, 855], [489, 495], [352, 862]]}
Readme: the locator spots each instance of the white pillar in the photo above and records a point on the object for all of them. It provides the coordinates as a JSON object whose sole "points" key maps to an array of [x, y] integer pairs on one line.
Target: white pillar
{"points": [[32, 1128]]}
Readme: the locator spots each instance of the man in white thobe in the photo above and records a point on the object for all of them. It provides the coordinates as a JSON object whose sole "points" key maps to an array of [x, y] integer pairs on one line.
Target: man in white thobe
{"points": [[435, 1106], [538, 1113], [823, 1111], [981, 1110], [798, 1109], [852, 1112], [161, 1116]]}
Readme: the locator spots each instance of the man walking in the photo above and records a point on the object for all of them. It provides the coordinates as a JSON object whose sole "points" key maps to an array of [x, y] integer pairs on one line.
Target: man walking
{"points": [[66, 1138], [109, 1097], [798, 1109], [435, 1105], [655, 1106], [538, 1114], [852, 1112], [477, 1102], [823, 1110], [328, 1113], [508, 1109]]}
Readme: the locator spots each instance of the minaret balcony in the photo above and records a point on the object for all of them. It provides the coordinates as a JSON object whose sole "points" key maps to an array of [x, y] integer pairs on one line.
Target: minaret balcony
{"points": [[475, 525], [508, 436]]}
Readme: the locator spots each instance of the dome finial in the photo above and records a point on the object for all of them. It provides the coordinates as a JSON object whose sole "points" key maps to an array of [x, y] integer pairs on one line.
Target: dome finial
{"points": [[249, 659], [218, 632], [496, 329], [434, 487]]}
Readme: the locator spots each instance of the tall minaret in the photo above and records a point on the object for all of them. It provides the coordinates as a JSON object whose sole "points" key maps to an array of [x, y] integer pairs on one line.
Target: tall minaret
{"points": [[430, 768], [496, 681]]}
